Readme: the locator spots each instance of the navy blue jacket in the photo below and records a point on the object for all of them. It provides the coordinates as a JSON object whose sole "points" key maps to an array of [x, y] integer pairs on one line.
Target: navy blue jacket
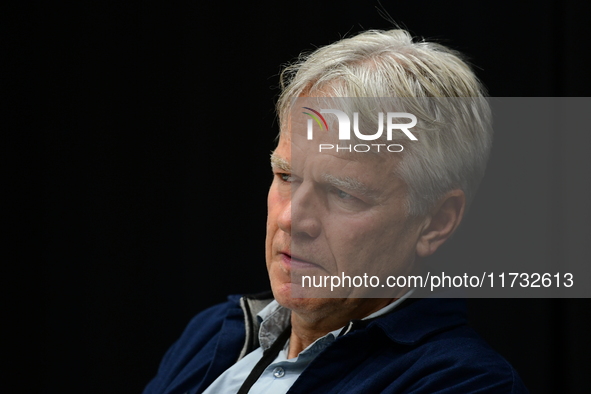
{"points": [[423, 346]]}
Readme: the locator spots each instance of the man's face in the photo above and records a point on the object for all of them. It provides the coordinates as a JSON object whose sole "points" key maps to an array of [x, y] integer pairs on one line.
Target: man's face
{"points": [[331, 213]]}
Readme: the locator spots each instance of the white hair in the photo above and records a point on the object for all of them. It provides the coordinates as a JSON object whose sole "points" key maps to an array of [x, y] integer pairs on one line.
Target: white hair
{"points": [[430, 81]]}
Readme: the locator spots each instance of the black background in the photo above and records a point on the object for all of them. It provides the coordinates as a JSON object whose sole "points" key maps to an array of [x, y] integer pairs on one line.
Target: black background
{"points": [[158, 124]]}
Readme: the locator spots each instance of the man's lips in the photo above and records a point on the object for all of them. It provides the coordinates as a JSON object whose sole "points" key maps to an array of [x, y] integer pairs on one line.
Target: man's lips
{"points": [[294, 262]]}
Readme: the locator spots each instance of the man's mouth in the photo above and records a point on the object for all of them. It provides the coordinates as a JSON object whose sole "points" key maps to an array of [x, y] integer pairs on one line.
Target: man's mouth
{"points": [[292, 262]]}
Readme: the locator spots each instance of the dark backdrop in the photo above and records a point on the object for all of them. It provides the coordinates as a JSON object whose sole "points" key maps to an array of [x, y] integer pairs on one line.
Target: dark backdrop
{"points": [[158, 131]]}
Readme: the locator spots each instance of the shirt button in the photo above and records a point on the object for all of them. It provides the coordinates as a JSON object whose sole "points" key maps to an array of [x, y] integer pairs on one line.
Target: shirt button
{"points": [[279, 372]]}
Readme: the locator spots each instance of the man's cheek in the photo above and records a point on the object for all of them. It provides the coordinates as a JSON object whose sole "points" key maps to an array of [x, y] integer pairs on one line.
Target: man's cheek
{"points": [[277, 197]]}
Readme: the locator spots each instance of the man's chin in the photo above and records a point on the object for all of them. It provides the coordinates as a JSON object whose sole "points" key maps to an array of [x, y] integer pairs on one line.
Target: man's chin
{"points": [[295, 297]]}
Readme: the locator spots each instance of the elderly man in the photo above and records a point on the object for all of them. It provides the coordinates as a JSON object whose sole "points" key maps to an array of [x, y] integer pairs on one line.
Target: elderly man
{"points": [[345, 206]]}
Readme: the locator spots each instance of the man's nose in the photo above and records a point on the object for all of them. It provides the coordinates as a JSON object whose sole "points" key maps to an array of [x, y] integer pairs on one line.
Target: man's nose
{"points": [[301, 215]]}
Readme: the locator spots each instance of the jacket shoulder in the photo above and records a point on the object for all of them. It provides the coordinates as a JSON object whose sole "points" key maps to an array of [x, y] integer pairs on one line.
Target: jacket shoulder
{"points": [[212, 331]]}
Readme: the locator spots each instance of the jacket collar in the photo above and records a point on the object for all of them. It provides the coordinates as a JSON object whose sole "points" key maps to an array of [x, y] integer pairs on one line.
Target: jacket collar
{"points": [[417, 319]]}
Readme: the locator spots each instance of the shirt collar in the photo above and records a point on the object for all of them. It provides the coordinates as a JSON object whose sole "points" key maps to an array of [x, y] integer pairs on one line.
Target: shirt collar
{"points": [[274, 320], [390, 307]]}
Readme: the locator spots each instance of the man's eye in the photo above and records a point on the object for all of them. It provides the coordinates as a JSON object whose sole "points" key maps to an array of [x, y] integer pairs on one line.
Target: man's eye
{"points": [[343, 196], [285, 177]]}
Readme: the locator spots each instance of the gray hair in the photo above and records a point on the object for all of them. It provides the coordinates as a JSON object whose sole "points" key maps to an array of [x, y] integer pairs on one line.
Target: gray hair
{"points": [[430, 81]]}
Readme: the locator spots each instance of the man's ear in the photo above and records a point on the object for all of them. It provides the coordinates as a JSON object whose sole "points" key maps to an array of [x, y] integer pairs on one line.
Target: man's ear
{"points": [[442, 222]]}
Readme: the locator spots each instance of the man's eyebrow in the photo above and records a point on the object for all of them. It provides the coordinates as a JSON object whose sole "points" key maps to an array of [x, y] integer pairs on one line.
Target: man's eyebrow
{"points": [[280, 163], [350, 184]]}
